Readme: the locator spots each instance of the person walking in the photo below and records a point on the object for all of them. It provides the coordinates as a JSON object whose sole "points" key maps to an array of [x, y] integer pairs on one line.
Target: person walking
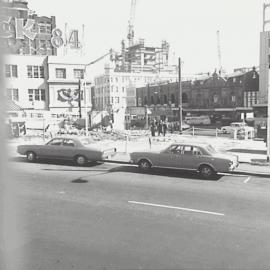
{"points": [[153, 129], [159, 128], [164, 128]]}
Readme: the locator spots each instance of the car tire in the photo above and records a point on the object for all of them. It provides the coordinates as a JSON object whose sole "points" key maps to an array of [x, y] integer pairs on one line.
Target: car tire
{"points": [[31, 156], [144, 165], [80, 160], [206, 172]]}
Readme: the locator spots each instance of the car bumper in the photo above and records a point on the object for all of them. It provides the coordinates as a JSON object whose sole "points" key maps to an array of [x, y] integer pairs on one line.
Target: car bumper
{"points": [[233, 166]]}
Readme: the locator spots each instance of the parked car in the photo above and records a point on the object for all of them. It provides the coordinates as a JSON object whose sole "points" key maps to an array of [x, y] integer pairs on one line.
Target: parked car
{"points": [[199, 157], [236, 126], [80, 151]]}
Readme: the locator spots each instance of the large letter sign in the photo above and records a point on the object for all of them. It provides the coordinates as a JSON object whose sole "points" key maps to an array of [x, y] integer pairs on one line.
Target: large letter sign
{"points": [[57, 40], [24, 30], [5, 27]]}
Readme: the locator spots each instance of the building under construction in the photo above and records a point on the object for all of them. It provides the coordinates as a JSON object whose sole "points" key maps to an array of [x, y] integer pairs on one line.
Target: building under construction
{"points": [[140, 58]]}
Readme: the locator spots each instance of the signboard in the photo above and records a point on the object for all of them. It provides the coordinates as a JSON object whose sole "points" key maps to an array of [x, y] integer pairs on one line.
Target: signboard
{"points": [[14, 30], [136, 110]]}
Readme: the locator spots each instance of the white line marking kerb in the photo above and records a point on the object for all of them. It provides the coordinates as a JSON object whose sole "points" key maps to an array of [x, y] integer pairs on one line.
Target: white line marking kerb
{"points": [[247, 180], [178, 208]]}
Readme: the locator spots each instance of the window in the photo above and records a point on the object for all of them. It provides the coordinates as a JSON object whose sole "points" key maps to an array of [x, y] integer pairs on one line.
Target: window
{"points": [[35, 71], [172, 98], [13, 94], [11, 71], [60, 73], [68, 142], [165, 99], [184, 98], [45, 28], [57, 141], [78, 73], [196, 151], [123, 89], [117, 100], [36, 94]]}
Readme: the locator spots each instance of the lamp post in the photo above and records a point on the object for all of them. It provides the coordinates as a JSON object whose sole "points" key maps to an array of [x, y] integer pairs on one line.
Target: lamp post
{"points": [[180, 95]]}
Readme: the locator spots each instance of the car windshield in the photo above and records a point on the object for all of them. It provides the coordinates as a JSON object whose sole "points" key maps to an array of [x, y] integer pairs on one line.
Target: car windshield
{"points": [[211, 149]]}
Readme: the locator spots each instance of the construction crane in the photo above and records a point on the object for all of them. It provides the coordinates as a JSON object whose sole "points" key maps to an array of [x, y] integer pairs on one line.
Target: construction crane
{"points": [[130, 35], [219, 53]]}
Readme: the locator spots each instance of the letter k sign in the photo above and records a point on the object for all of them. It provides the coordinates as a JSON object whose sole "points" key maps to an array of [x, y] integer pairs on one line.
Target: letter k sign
{"points": [[24, 30]]}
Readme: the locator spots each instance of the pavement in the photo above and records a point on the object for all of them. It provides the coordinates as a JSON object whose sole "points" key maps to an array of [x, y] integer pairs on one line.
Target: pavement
{"points": [[251, 153]]}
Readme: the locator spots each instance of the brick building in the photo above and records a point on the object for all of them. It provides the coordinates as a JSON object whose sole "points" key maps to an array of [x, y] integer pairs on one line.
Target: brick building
{"points": [[24, 32], [216, 96]]}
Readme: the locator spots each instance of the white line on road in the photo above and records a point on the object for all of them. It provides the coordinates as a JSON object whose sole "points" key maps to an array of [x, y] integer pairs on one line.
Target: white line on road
{"points": [[178, 208], [246, 180], [232, 174]]}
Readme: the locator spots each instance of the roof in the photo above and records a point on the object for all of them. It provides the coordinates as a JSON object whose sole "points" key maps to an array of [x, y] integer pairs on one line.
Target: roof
{"points": [[12, 106], [199, 144]]}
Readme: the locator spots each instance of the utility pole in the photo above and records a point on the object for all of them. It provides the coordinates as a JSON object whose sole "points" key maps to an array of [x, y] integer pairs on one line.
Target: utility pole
{"points": [[266, 20], [79, 101], [180, 95]]}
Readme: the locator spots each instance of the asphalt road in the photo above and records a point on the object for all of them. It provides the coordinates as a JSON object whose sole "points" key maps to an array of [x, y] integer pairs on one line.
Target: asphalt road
{"points": [[111, 216]]}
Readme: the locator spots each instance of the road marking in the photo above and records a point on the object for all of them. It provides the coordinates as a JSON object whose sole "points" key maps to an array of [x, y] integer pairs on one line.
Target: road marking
{"points": [[62, 192], [247, 180], [178, 208], [232, 174]]}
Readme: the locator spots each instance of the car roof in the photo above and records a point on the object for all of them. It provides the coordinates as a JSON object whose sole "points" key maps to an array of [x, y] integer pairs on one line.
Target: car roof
{"points": [[199, 144], [66, 137]]}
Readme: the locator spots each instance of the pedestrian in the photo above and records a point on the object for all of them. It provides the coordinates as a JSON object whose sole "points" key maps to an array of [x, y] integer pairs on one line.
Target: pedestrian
{"points": [[164, 128], [159, 128], [153, 128]]}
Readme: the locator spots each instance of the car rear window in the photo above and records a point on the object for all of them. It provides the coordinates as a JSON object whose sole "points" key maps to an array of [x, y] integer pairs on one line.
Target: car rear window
{"points": [[211, 149]]}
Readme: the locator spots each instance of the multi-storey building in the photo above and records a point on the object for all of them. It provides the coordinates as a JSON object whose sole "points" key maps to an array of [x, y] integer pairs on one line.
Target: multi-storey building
{"points": [[114, 90], [214, 95], [42, 84], [65, 77], [23, 32]]}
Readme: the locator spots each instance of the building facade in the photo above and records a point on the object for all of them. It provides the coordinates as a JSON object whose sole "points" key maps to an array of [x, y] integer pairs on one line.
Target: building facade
{"points": [[47, 84], [216, 96], [66, 76], [114, 90]]}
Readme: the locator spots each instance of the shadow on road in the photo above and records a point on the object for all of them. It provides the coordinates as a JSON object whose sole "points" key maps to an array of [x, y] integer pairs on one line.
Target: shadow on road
{"points": [[56, 162], [163, 172]]}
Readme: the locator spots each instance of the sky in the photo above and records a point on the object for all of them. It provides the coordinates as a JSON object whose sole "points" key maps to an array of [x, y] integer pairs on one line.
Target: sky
{"points": [[189, 26]]}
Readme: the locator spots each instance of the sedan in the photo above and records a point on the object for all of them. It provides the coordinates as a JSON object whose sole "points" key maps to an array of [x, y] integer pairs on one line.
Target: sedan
{"points": [[80, 151], [199, 157]]}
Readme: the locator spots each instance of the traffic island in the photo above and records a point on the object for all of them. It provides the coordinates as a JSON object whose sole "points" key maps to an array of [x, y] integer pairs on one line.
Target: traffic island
{"points": [[259, 162]]}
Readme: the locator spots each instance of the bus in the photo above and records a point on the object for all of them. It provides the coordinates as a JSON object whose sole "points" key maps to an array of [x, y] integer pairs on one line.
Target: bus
{"points": [[198, 120]]}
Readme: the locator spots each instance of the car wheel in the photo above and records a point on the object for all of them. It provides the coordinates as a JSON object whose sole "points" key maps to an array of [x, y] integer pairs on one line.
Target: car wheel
{"points": [[31, 156], [80, 160], [144, 165], [206, 171]]}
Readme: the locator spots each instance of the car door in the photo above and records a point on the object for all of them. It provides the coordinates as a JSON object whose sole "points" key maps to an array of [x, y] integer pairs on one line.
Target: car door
{"points": [[188, 159], [68, 148], [52, 149], [171, 157]]}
